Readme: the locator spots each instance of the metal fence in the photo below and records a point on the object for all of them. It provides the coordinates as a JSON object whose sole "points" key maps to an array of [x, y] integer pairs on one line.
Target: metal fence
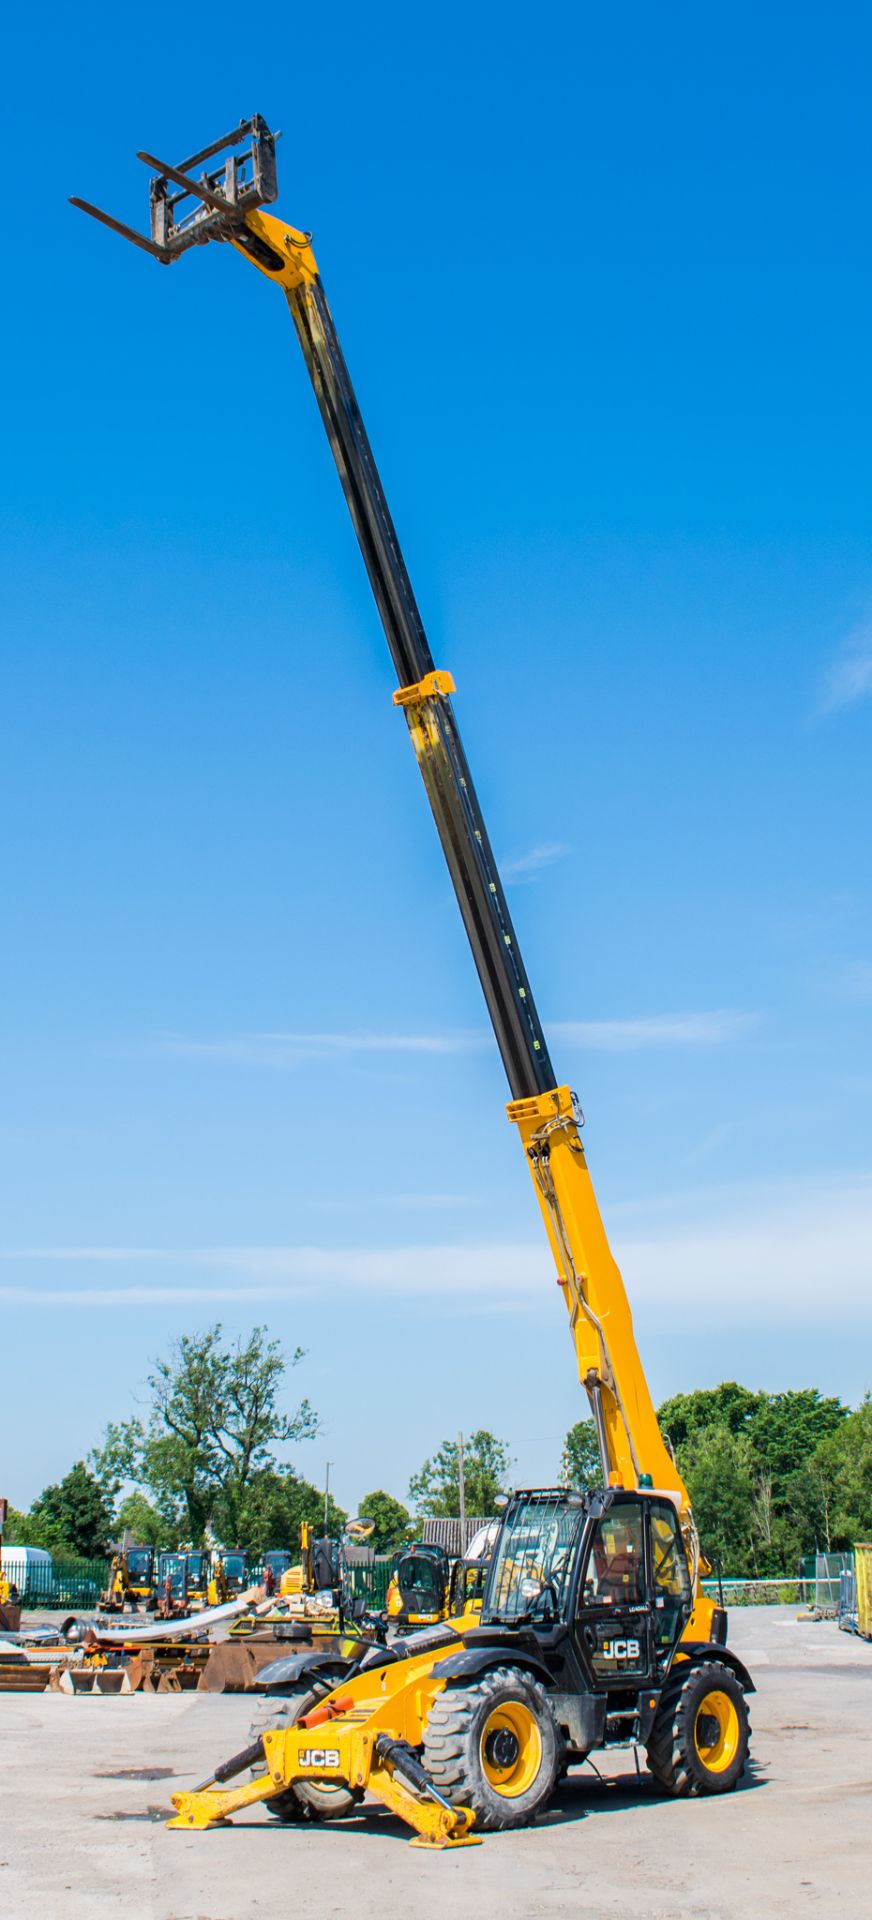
{"points": [[779, 1589], [79, 1583], [61, 1583], [828, 1571], [370, 1584]]}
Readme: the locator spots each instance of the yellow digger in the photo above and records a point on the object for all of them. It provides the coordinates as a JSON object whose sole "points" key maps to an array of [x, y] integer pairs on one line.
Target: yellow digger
{"points": [[419, 1587], [594, 1629], [131, 1580]]}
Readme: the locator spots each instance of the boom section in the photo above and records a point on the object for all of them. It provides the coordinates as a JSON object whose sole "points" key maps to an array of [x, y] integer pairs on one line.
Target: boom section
{"points": [[424, 695]]}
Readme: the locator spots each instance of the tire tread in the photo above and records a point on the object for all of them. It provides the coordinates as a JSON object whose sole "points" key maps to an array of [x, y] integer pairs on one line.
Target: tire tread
{"points": [[669, 1742]]}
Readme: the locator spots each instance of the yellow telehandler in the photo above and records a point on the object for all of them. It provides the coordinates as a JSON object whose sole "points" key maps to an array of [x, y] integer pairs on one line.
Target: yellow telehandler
{"points": [[594, 1629]]}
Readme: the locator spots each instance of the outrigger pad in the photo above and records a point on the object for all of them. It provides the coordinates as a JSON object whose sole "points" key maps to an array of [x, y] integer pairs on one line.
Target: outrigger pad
{"points": [[187, 211]]}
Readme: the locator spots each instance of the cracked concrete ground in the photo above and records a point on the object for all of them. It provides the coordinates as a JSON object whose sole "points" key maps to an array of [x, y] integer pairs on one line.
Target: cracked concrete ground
{"points": [[81, 1836]]}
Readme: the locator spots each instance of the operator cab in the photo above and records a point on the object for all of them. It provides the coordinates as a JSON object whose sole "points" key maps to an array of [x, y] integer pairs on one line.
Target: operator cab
{"points": [[140, 1566], [235, 1565], [606, 1572], [278, 1560], [173, 1568], [421, 1576]]}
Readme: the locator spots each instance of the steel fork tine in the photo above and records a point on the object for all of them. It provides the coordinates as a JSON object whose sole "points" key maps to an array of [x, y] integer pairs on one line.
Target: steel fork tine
{"points": [[127, 233]]}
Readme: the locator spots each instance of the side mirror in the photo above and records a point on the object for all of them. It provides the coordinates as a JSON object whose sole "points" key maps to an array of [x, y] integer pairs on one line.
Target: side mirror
{"points": [[358, 1529], [501, 1500]]}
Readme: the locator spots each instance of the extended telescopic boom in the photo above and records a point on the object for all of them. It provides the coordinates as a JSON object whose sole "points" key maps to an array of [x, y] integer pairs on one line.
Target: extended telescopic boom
{"points": [[223, 203]]}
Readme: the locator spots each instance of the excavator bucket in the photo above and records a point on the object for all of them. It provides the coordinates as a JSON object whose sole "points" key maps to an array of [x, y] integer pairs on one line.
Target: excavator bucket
{"points": [[188, 210]]}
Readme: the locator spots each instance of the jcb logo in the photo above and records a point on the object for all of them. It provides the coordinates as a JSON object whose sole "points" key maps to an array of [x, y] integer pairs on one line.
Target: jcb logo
{"points": [[620, 1649], [318, 1757]]}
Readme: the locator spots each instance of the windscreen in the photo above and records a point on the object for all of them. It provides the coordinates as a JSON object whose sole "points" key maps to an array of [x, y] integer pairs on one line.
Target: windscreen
{"points": [[421, 1580], [139, 1563], [530, 1571], [172, 1566]]}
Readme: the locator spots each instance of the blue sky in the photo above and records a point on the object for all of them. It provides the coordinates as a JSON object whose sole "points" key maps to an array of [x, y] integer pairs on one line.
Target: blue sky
{"points": [[602, 278]]}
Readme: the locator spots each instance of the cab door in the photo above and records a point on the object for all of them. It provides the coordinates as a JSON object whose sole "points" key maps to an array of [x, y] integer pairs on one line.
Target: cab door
{"points": [[671, 1588], [613, 1621]]}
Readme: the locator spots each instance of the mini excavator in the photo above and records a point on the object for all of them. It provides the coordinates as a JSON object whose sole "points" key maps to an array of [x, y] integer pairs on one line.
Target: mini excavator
{"points": [[594, 1629]]}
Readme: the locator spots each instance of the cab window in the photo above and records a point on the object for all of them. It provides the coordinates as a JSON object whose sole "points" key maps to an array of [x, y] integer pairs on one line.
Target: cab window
{"points": [[670, 1573], [615, 1572]]}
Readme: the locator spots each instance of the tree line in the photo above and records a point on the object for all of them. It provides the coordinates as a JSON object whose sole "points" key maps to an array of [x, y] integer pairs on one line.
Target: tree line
{"points": [[771, 1476]]}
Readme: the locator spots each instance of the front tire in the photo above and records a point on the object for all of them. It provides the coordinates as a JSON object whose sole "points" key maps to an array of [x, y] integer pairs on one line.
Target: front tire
{"points": [[306, 1799], [494, 1746], [699, 1741]]}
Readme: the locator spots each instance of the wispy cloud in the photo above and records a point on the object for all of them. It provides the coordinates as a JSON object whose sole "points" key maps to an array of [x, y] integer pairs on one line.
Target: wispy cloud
{"points": [[849, 678], [712, 1029], [286, 1050], [522, 867], [275, 1273], [289, 1049], [756, 1251]]}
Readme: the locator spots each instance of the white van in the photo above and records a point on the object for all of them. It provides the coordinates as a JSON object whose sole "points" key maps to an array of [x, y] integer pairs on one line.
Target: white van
{"points": [[17, 1562]]}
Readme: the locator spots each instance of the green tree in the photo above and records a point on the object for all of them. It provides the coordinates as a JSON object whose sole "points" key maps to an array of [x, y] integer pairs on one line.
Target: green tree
{"points": [[393, 1522], [581, 1465], [147, 1527], [728, 1405], [73, 1516], [435, 1488], [790, 1502], [20, 1529], [784, 1429], [269, 1510], [852, 1452], [117, 1460], [831, 1497], [214, 1420], [718, 1470]]}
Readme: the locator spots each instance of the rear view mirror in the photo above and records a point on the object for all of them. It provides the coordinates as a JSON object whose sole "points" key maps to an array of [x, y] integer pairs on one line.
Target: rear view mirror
{"points": [[358, 1529]]}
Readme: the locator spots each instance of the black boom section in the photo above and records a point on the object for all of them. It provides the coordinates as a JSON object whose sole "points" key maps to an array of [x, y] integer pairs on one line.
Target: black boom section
{"points": [[439, 748]]}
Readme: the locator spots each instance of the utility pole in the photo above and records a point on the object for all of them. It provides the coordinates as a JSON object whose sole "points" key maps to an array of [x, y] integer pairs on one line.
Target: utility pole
{"points": [[330, 1463], [461, 1484]]}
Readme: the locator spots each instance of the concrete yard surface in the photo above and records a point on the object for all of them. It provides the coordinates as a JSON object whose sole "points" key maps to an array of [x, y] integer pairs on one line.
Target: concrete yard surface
{"points": [[87, 1782]]}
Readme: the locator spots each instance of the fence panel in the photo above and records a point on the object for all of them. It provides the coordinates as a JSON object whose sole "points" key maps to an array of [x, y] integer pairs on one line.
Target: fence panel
{"points": [[778, 1590], [371, 1583], [64, 1583]]}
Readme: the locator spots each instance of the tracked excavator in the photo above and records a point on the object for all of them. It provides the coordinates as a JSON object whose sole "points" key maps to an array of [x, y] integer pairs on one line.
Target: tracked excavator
{"points": [[594, 1629]]}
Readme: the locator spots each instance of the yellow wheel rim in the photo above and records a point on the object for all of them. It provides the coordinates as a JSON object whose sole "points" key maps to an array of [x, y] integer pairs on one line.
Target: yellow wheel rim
{"points": [[716, 1732], [511, 1749]]}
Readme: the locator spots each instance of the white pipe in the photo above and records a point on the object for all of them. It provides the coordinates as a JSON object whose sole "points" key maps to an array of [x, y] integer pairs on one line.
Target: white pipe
{"points": [[252, 1600]]}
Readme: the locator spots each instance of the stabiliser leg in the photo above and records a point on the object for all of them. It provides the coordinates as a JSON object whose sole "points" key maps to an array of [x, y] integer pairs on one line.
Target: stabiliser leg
{"points": [[391, 1769]]}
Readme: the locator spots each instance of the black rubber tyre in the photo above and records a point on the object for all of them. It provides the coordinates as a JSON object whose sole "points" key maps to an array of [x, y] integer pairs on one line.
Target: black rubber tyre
{"points": [[699, 1741], [494, 1746], [307, 1800]]}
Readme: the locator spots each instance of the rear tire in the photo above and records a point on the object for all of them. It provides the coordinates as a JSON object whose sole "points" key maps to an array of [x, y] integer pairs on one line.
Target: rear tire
{"points": [[306, 1799], [699, 1740], [494, 1746]]}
